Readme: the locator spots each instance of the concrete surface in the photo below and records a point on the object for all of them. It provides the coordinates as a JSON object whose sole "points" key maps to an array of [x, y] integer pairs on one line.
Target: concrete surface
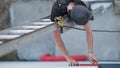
{"points": [[56, 65], [106, 44], [24, 11], [41, 65]]}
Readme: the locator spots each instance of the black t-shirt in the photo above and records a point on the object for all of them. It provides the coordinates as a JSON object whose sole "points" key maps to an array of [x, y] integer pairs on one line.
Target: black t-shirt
{"points": [[60, 7]]}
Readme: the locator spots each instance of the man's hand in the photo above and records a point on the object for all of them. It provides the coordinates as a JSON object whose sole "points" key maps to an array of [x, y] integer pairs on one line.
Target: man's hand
{"points": [[93, 59], [72, 62]]}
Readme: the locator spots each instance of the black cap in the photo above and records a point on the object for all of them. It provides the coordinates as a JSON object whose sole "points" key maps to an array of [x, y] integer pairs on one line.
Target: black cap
{"points": [[80, 14]]}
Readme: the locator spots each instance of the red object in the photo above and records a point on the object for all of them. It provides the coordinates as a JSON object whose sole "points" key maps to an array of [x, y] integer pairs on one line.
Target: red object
{"points": [[88, 64], [48, 57]]}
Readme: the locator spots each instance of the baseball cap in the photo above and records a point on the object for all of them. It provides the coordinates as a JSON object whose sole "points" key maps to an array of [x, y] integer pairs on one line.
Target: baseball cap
{"points": [[80, 14]]}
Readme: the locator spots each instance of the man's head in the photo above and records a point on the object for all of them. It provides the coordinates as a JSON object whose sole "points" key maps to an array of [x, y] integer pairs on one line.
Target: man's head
{"points": [[80, 14]]}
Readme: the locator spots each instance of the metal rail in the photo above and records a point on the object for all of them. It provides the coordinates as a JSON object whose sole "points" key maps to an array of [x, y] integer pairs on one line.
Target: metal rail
{"points": [[13, 38]]}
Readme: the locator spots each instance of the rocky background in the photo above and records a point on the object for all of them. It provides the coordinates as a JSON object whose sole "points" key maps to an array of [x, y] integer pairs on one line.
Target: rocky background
{"points": [[4, 13], [5, 23]]}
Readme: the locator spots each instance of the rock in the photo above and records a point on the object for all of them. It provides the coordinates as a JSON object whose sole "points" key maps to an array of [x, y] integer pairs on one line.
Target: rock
{"points": [[4, 14]]}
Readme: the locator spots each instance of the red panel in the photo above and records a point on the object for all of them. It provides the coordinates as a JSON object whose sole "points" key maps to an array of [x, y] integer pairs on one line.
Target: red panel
{"points": [[47, 57]]}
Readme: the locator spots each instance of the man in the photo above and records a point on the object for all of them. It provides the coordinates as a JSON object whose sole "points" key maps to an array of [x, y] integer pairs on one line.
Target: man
{"points": [[60, 7], [80, 14]]}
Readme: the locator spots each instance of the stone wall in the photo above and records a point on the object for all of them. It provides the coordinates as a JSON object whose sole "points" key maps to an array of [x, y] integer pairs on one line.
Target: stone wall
{"points": [[117, 6], [4, 14], [5, 23]]}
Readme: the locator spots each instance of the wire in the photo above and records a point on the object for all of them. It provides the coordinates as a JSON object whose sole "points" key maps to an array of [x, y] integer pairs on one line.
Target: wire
{"points": [[92, 30], [59, 21]]}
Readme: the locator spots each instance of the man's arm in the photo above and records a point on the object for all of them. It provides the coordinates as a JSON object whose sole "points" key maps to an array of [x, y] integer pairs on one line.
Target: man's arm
{"points": [[89, 37], [59, 42], [60, 45], [90, 42]]}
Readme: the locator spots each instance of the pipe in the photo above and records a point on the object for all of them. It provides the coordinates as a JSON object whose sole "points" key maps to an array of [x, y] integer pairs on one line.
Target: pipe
{"points": [[48, 57]]}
